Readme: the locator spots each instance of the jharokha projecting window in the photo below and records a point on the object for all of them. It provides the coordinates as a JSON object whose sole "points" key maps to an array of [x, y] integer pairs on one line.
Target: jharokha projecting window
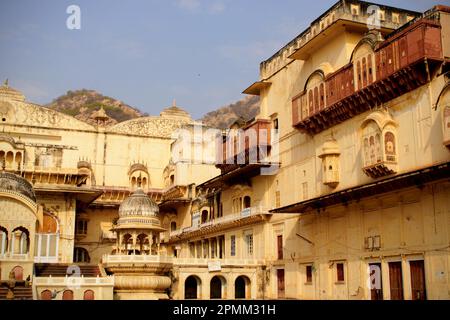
{"points": [[379, 144]]}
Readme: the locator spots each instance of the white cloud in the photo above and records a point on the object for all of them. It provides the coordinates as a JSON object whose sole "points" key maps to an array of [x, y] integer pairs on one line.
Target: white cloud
{"points": [[204, 6], [217, 7], [190, 5]]}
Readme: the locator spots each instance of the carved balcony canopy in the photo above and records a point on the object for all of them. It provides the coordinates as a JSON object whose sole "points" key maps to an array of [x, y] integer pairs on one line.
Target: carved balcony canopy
{"points": [[114, 196], [417, 178], [400, 64], [256, 88], [175, 196]]}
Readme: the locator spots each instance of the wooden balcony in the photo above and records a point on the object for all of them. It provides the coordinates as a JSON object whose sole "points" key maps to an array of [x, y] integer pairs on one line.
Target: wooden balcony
{"points": [[405, 61], [247, 145]]}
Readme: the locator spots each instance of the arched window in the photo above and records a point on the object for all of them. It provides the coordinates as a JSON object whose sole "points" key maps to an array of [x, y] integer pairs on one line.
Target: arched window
{"points": [[389, 142], [3, 240], [204, 216], [316, 100], [89, 295], [173, 226], [2, 160], [81, 255], [372, 149], [247, 202], [366, 152], [358, 68], [46, 295], [192, 287], [20, 243], [370, 68], [322, 96], [18, 160], [9, 159], [378, 148], [310, 102], [364, 71], [67, 295]]}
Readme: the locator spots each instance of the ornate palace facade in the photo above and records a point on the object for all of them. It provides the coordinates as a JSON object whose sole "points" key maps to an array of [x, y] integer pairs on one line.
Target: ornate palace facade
{"points": [[338, 189]]}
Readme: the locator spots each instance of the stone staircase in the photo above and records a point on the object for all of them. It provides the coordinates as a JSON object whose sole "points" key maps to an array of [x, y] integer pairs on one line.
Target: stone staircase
{"points": [[60, 270]]}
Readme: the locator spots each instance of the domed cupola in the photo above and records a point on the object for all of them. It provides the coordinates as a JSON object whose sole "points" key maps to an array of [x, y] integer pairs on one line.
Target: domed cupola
{"points": [[6, 92], [138, 211], [10, 182]]}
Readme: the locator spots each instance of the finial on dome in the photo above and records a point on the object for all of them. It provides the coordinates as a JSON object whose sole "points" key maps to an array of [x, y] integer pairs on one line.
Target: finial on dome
{"points": [[174, 102], [6, 83]]}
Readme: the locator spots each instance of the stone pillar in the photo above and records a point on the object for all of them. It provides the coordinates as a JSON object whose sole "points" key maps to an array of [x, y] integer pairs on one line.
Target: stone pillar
{"points": [[134, 237]]}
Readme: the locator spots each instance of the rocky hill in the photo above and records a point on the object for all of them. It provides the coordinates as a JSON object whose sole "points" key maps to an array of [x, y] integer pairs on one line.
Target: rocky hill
{"points": [[247, 108], [82, 103]]}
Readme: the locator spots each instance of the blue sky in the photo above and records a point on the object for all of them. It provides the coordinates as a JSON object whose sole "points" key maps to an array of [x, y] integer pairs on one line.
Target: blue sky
{"points": [[148, 52]]}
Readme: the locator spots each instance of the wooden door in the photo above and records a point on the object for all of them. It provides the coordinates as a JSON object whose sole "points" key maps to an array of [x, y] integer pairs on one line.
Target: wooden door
{"points": [[280, 283], [395, 280], [417, 280], [376, 284]]}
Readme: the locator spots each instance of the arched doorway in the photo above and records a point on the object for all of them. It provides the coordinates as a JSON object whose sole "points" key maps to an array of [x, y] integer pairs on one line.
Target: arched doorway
{"points": [[217, 287], [192, 287], [67, 295], [89, 295], [242, 287]]}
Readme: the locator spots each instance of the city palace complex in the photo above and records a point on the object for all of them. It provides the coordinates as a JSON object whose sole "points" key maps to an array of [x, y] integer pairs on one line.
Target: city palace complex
{"points": [[338, 189]]}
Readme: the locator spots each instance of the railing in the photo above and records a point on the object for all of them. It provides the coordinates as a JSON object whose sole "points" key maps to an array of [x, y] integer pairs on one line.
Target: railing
{"points": [[178, 261], [74, 281], [223, 262], [49, 259], [248, 212], [108, 258]]}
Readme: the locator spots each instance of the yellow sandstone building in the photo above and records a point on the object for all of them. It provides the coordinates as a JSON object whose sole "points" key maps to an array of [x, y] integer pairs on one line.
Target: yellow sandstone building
{"points": [[338, 189]]}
